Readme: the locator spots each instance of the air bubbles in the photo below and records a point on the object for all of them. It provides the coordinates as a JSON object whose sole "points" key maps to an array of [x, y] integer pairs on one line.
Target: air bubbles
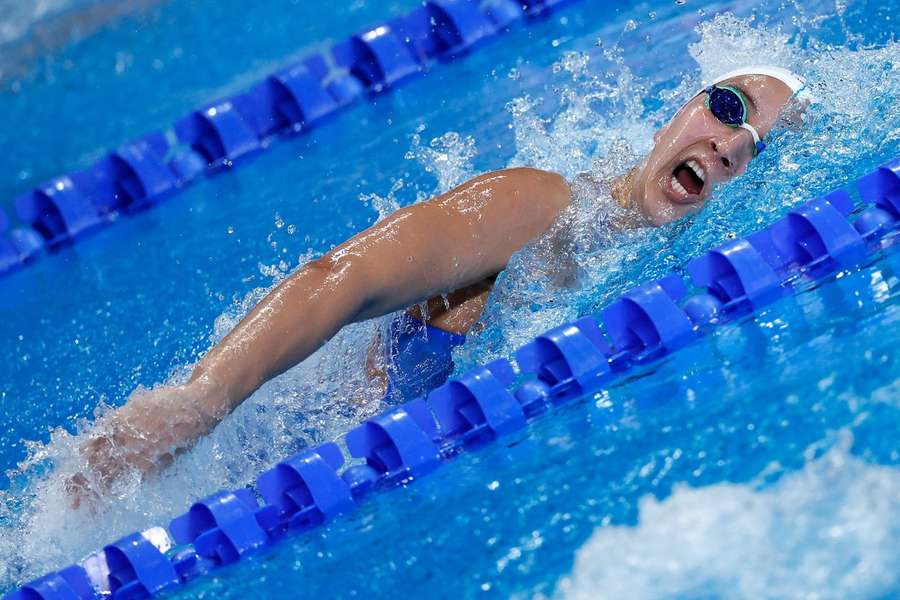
{"points": [[630, 25], [124, 60]]}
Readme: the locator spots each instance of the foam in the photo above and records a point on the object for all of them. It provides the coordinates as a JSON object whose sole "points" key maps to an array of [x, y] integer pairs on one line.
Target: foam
{"points": [[830, 530]]}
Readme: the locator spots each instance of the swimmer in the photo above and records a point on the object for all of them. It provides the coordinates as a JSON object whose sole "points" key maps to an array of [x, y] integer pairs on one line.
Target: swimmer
{"points": [[396, 264]]}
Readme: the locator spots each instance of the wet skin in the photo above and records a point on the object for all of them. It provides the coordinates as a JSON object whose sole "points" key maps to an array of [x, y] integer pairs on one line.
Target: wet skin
{"points": [[445, 251]]}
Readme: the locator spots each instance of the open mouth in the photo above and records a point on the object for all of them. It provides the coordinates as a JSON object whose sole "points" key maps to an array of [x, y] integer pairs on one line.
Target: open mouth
{"points": [[688, 178]]}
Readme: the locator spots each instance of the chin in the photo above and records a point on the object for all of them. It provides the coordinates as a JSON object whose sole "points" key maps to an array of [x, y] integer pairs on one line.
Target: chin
{"points": [[661, 211], [660, 203]]}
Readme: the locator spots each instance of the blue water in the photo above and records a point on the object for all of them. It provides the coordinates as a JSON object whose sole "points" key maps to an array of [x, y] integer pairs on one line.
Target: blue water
{"points": [[762, 461]]}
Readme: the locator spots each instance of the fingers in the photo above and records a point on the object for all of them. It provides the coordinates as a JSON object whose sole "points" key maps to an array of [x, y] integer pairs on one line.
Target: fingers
{"points": [[140, 438]]}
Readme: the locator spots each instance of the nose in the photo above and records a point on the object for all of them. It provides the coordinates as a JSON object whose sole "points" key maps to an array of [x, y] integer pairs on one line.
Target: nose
{"points": [[733, 149]]}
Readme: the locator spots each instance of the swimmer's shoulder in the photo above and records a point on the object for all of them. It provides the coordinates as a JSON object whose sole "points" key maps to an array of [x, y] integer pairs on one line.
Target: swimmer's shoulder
{"points": [[548, 188], [531, 199]]}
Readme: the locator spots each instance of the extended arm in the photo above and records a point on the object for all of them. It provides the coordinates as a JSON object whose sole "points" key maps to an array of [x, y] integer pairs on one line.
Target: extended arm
{"points": [[430, 248], [418, 252]]}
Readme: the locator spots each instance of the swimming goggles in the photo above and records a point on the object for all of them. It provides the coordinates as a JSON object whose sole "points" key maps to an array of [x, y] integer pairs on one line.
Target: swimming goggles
{"points": [[728, 105]]}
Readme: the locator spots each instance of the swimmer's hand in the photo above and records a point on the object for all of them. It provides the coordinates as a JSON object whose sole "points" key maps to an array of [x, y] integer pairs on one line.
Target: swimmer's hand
{"points": [[142, 437]]}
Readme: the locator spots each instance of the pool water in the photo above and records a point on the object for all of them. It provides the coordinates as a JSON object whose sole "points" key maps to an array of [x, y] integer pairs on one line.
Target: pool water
{"points": [[760, 462]]}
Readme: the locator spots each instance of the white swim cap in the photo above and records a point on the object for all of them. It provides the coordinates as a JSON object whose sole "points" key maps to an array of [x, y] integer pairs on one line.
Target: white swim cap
{"points": [[785, 76]]}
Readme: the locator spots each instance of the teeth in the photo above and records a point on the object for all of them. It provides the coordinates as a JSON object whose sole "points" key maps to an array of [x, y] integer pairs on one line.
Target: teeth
{"points": [[678, 187], [698, 170]]}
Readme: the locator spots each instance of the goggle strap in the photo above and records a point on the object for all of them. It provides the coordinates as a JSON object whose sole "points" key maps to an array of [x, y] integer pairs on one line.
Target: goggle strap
{"points": [[752, 130], [758, 144]]}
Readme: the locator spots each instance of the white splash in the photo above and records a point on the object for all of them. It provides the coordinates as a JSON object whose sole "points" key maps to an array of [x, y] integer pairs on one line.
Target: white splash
{"points": [[384, 205], [447, 157], [728, 42], [830, 530]]}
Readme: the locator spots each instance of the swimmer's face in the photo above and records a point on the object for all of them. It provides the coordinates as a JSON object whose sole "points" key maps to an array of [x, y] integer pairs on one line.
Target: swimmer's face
{"points": [[695, 151]]}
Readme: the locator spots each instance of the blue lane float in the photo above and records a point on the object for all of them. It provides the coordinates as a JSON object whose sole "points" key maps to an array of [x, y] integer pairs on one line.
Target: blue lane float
{"points": [[305, 490], [222, 527], [567, 360], [735, 275], [478, 406], [138, 568], [217, 136], [397, 445], [647, 322], [812, 241]]}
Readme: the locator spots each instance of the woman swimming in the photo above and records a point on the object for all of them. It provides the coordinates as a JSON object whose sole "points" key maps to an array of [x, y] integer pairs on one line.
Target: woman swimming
{"points": [[446, 251]]}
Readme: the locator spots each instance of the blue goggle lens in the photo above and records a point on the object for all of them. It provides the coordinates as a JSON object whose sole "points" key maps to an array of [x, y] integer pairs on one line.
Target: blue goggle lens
{"points": [[726, 105]]}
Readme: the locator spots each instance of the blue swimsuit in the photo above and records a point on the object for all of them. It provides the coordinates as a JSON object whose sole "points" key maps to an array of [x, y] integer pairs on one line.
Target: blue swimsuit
{"points": [[417, 358]]}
